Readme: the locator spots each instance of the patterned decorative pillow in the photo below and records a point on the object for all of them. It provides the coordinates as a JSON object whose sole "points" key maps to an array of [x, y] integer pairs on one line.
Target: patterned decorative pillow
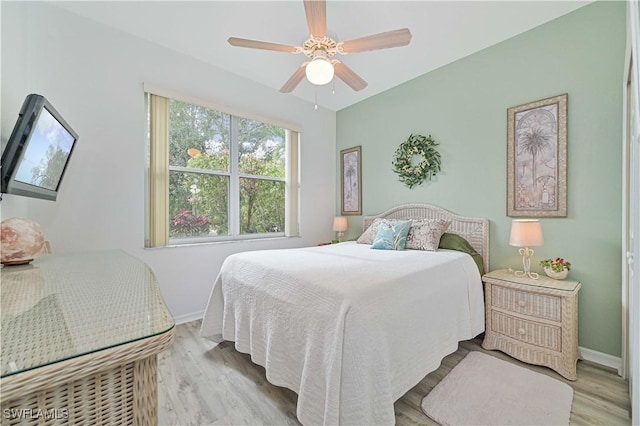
{"points": [[368, 235], [425, 234], [392, 235]]}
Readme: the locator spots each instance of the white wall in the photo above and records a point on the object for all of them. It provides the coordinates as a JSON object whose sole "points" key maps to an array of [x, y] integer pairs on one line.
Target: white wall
{"points": [[93, 75]]}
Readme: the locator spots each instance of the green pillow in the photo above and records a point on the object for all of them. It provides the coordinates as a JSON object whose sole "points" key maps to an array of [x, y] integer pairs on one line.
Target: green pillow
{"points": [[456, 242]]}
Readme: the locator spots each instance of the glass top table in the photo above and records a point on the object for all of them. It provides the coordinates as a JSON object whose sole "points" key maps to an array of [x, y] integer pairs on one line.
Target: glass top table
{"points": [[61, 307]]}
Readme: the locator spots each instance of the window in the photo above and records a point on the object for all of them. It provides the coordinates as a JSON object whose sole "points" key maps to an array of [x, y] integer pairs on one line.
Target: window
{"points": [[216, 176]]}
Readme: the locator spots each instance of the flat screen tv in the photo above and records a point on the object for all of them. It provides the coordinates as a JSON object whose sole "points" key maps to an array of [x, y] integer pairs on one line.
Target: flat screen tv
{"points": [[38, 151]]}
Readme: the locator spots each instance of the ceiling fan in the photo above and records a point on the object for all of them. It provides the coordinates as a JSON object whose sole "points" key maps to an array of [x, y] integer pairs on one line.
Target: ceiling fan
{"points": [[321, 49]]}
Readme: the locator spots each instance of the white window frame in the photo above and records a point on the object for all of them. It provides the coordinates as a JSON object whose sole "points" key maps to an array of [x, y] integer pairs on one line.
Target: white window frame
{"points": [[157, 188]]}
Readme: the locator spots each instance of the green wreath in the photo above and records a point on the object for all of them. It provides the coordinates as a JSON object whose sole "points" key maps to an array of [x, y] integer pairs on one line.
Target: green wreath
{"points": [[413, 172]]}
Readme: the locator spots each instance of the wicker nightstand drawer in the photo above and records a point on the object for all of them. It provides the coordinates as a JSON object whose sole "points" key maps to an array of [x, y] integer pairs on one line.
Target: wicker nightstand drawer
{"points": [[527, 331], [523, 302]]}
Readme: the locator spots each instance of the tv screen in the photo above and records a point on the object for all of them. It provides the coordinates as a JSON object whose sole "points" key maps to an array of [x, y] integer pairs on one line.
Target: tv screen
{"points": [[38, 151]]}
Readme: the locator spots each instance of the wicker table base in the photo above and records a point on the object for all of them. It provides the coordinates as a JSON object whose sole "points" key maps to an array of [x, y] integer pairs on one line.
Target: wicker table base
{"points": [[116, 386]]}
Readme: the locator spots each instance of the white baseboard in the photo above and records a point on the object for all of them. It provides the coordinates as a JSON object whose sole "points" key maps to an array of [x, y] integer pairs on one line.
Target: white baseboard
{"points": [[181, 319], [601, 358]]}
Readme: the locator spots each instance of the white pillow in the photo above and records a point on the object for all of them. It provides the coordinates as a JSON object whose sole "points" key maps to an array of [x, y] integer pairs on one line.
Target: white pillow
{"points": [[370, 233]]}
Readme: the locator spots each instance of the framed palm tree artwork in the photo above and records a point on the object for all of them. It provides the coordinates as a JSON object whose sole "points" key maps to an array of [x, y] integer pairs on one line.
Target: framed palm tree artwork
{"points": [[351, 180], [537, 158]]}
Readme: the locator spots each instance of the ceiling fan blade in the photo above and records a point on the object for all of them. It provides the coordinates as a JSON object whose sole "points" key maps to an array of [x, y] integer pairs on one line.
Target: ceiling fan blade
{"points": [[378, 41], [255, 44], [347, 75], [316, 11], [295, 79]]}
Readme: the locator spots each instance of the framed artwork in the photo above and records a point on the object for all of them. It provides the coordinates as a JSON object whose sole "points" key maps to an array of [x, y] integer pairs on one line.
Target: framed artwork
{"points": [[537, 158], [351, 180]]}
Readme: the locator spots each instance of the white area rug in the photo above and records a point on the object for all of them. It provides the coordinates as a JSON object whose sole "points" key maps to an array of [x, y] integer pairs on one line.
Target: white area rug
{"points": [[483, 390]]}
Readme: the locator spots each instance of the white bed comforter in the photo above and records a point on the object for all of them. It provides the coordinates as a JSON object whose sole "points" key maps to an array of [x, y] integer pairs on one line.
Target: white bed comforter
{"points": [[349, 329]]}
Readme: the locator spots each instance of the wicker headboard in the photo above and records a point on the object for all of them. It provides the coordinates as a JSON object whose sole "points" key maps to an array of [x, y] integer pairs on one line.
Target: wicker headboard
{"points": [[473, 229]]}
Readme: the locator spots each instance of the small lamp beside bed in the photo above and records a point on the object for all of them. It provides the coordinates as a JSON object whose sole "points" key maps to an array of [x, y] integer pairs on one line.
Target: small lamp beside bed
{"points": [[526, 233], [340, 225]]}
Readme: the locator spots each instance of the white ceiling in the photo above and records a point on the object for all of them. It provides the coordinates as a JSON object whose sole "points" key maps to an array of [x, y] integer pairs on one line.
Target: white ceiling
{"points": [[443, 31]]}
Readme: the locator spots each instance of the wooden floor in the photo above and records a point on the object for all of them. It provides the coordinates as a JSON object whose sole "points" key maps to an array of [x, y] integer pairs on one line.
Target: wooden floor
{"points": [[201, 383]]}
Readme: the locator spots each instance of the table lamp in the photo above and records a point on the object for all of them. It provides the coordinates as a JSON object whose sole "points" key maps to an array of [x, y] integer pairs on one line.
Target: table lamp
{"points": [[526, 233], [340, 225]]}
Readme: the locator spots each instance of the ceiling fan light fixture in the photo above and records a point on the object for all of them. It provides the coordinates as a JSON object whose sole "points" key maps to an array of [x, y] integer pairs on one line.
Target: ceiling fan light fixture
{"points": [[320, 70], [320, 48]]}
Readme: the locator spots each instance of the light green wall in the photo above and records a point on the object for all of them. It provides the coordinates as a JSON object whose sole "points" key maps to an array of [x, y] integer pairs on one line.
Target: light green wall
{"points": [[463, 106]]}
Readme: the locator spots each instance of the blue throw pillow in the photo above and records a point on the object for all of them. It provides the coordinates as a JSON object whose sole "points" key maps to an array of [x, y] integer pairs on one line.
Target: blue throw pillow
{"points": [[392, 235]]}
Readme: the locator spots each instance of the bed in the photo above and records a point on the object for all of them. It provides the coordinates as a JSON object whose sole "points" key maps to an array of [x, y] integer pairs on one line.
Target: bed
{"points": [[350, 329]]}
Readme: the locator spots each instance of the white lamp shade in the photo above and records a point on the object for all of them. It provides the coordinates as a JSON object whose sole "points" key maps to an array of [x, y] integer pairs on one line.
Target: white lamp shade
{"points": [[340, 224], [526, 233], [319, 71]]}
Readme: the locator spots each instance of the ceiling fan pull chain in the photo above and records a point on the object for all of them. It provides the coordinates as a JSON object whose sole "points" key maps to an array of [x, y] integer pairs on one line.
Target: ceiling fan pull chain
{"points": [[333, 86], [315, 107]]}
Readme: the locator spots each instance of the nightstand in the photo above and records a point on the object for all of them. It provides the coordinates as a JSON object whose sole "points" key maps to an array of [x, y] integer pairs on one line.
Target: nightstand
{"points": [[535, 321]]}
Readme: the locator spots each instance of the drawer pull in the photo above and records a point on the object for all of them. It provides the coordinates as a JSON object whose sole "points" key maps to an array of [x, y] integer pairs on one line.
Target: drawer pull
{"points": [[521, 331], [522, 303]]}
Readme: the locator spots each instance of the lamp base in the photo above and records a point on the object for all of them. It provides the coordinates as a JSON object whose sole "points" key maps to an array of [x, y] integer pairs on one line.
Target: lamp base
{"points": [[526, 253], [532, 275]]}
